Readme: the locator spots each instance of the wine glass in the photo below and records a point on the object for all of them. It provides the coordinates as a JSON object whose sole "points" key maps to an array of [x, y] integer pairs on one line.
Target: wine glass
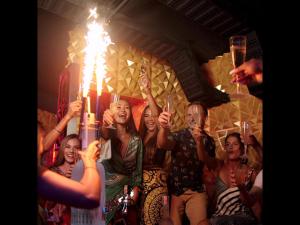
{"points": [[196, 111], [112, 107], [245, 132], [143, 79], [169, 106], [238, 54]]}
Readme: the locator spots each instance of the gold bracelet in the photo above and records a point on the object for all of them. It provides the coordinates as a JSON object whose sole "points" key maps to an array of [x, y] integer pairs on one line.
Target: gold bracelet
{"points": [[57, 130], [86, 167]]}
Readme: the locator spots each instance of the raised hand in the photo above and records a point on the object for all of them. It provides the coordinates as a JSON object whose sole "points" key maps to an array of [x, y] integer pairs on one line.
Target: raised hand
{"points": [[92, 153], [250, 71], [108, 118], [164, 119], [197, 133], [74, 109]]}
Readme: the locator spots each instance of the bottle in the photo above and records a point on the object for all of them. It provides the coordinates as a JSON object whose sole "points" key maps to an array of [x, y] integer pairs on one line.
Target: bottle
{"points": [[165, 212], [125, 200]]}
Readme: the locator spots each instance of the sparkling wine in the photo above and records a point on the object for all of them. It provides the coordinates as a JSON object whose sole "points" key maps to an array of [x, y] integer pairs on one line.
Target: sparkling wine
{"points": [[238, 55]]}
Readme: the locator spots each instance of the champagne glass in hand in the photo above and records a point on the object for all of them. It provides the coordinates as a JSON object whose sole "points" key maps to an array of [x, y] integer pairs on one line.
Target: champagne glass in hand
{"points": [[238, 53], [143, 79], [112, 107]]}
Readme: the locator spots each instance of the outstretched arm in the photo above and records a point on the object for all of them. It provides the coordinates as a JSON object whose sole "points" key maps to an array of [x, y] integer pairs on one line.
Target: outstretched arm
{"points": [[83, 194], [155, 109], [51, 137]]}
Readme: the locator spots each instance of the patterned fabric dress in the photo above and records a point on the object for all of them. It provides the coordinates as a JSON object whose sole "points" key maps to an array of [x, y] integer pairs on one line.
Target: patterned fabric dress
{"points": [[154, 184], [122, 171]]}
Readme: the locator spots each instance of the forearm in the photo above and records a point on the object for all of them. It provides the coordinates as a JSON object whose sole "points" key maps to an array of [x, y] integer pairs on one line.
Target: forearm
{"points": [[52, 136], [200, 151], [91, 181], [152, 104], [105, 133], [84, 194], [246, 197], [162, 138], [212, 163]]}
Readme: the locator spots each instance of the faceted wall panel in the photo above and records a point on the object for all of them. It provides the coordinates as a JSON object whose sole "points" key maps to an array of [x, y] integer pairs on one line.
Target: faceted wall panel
{"points": [[226, 118], [123, 69]]}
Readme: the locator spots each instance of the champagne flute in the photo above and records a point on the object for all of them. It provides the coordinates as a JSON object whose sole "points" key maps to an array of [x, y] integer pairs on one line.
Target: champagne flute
{"points": [[238, 54], [112, 107], [143, 80], [245, 132], [196, 110], [169, 106]]}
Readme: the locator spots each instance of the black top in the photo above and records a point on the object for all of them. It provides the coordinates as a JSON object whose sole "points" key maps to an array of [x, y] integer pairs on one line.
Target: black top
{"points": [[186, 168]]}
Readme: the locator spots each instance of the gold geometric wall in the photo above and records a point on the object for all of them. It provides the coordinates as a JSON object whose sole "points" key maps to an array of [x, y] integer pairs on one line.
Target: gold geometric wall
{"points": [[226, 118], [123, 68]]}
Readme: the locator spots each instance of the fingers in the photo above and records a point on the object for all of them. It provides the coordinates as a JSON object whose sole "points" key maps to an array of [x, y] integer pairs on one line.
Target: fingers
{"points": [[108, 117], [75, 108], [164, 119]]}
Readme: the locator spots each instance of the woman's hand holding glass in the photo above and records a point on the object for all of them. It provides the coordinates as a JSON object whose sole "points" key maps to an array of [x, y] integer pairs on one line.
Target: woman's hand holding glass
{"points": [[108, 119], [74, 109], [108, 116], [163, 120], [169, 107], [144, 81], [90, 156]]}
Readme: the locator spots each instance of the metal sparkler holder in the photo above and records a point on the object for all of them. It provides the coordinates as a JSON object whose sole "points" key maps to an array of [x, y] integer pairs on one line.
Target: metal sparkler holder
{"points": [[88, 129]]}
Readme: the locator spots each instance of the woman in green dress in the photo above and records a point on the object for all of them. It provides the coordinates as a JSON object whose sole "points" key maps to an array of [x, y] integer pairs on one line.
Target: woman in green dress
{"points": [[125, 165]]}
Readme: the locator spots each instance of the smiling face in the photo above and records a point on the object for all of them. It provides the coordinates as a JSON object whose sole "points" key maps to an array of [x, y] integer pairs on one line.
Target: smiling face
{"points": [[122, 112], [190, 116], [149, 120], [233, 147], [70, 150]]}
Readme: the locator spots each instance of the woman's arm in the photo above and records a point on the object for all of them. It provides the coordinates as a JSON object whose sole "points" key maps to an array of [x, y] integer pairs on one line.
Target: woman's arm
{"points": [[83, 194], [51, 137], [155, 109]]}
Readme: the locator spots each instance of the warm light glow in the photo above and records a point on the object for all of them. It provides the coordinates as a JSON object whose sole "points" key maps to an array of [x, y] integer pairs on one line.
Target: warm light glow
{"points": [[97, 41], [104, 42]]}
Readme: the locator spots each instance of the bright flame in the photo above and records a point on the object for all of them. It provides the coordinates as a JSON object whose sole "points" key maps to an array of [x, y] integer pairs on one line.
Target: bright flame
{"points": [[104, 42], [97, 41]]}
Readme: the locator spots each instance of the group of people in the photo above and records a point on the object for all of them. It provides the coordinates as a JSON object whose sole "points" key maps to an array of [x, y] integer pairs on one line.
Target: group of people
{"points": [[232, 197]]}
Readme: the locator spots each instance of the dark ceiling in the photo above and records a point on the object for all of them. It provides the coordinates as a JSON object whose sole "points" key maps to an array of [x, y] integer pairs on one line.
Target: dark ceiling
{"points": [[186, 33]]}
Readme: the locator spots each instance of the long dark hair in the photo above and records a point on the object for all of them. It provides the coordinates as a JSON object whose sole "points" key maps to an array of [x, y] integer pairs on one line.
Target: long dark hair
{"points": [[130, 128], [143, 128], [61, 159]]}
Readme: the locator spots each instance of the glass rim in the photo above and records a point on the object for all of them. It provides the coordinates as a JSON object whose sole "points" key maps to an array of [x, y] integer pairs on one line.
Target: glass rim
{"points": [[238, 36]]}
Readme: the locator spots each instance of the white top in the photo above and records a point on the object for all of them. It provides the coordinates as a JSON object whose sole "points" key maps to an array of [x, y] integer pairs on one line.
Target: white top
{"points": [[259, 180], [88, 216]]}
